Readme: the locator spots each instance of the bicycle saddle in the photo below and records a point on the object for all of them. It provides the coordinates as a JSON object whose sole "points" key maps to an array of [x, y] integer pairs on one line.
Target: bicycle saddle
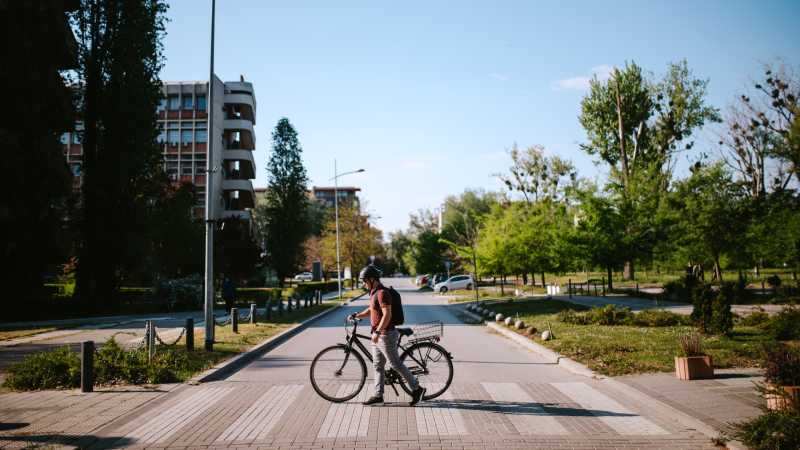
{"points": [[405, 331]]}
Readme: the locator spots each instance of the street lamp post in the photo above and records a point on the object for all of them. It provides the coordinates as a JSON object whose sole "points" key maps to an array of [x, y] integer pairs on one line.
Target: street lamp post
{"points": [[336, 176], [208, 304]]}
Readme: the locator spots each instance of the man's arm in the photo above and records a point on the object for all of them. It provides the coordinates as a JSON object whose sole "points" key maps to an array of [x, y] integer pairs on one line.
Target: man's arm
{"points": [[361, 314], [385, 320]]}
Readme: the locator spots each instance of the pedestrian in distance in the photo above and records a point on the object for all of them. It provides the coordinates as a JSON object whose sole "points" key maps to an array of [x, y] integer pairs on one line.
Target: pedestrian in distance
{"points": [[228, 294], [385, 337]]}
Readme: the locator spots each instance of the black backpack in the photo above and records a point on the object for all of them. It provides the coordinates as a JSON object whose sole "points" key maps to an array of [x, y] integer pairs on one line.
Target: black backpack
{"points": [[397, 307]]}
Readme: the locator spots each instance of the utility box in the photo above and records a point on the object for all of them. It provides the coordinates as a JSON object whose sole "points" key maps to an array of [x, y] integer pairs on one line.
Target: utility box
{"points": [[316, 270]]}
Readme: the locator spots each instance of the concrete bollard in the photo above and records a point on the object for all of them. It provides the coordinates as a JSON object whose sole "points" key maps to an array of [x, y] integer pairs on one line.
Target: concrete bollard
{"points": [[519, 325], [319, 297], [508, 321], [252, 313], [499, 317], [87, 366], [235, 320], [546, 335], [268, 309], [189, 334], [532, 331]]}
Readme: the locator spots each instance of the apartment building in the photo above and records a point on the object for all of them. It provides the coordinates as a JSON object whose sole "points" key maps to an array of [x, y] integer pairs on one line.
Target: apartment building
{"points": [[185, 139], [325, 195]]}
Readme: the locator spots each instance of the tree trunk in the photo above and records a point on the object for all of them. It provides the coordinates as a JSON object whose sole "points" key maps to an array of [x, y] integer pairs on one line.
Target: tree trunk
{"points": [[542, 278], [628, 273], [502, 282], [610, 276], [717, 270], [524, 279]]}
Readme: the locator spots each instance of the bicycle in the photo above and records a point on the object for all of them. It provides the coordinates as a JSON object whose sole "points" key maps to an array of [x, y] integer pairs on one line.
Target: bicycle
{"points": [[338, 372]]}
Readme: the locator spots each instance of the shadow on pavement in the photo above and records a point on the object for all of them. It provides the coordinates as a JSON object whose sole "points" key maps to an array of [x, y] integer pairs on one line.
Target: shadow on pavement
{"points": [[55, 439], [523, 408]]}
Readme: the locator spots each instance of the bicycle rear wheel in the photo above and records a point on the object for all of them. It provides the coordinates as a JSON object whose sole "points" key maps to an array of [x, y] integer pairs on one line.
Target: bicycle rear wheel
{"points": [[338, 373], [432, 366]]}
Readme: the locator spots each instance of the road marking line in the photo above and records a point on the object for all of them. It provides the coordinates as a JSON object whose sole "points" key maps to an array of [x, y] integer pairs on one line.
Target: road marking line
{"points": [[259, 419], [621, 419], [522, 411], [349, 419], [439, 420], [164, 425]]}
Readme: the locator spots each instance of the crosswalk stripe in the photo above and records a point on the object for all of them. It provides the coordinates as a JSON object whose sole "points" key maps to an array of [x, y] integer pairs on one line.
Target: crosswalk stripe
{"points": [[164, 425], [525, 414], [259, 419], [613, 414], [439, 420], [349, 419]]}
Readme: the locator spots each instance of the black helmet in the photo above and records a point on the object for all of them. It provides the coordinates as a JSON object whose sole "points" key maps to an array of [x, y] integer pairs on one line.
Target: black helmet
{"points": [[370, 271]]}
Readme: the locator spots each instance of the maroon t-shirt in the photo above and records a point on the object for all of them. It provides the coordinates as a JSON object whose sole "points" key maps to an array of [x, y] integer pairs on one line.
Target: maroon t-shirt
{"points": [[378, 298]]}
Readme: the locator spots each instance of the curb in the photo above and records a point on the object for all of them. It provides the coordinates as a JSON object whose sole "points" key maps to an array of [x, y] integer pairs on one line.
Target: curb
{"points": [[227, 367], [577, 368]]}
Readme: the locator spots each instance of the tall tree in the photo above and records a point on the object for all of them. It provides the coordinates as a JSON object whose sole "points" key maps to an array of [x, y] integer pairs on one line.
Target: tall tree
{"points": [[284, 219], [537, 176], [121, 54], [37, 108], [359, 241], [637, 126]]}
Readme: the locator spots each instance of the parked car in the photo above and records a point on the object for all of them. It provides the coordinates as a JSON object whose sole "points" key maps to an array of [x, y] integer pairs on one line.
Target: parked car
{"points": [[305, 276], [455, 282]]}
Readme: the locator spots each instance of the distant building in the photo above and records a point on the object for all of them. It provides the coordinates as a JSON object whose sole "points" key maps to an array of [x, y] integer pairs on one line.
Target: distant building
{"points": [[183, 121], [325, 195]]}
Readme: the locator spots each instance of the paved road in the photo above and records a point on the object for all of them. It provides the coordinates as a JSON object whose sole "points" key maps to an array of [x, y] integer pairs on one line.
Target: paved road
{"points": [[502, 397]]}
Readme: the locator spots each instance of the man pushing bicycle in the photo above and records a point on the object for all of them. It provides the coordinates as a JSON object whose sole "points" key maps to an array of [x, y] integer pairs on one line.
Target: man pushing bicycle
{"points": [[385, 336]]}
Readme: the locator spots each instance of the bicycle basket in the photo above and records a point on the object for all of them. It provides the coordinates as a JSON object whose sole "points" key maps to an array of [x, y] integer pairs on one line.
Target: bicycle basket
{"points": [[428, 331]]}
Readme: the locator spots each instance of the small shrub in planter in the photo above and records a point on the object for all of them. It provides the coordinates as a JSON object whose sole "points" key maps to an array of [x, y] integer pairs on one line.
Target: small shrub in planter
{"points": [[782, 376], [56, 369], [691, 363]]}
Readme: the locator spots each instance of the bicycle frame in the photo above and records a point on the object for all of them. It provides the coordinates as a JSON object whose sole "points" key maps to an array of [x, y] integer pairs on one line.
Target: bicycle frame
{"points": [[392, 377]]}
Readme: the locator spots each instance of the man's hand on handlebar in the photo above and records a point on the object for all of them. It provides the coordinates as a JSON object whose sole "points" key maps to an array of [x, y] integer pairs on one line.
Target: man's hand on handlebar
{"points": [[352, 317]]}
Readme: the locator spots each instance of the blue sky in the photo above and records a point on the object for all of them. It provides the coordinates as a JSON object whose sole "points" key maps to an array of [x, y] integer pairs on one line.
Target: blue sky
{"points": [[426, 96]]}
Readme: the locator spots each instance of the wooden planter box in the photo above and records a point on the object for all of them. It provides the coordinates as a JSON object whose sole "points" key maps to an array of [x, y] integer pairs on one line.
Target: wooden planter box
{"points": [[694, 367], [775, 401]]}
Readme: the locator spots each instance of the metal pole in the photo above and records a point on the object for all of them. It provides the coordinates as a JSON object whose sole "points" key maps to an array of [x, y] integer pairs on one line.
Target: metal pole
{"points": [[87, 366], [336, 213], [189, 334], [235, 320], [252, 313], [209, 250]]}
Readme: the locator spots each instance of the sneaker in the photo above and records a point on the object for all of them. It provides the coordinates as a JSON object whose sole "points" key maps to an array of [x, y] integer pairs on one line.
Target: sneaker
{"points": [[416, 396], [374, 400]]}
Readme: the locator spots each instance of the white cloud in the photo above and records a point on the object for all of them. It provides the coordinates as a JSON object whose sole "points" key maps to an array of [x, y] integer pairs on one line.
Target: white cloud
{"points": [[581, 83], [499, 76]]}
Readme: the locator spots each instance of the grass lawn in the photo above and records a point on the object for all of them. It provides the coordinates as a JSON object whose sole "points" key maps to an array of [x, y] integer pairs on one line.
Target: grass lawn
{"points": [[623, 349], [13, 333], [228, 344]]}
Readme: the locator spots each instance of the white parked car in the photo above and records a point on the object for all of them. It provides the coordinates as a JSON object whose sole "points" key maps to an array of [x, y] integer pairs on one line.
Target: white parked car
{"points": [[305, 276], [454, 282]]}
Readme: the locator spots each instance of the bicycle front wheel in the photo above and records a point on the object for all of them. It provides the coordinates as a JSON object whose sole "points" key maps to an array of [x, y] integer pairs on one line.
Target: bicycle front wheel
{"points": [[432, 366], [338, 373]]}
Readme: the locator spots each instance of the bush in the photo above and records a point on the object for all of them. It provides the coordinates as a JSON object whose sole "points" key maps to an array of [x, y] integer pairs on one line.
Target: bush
{"points": [[785, 325], [680, 290], [573, 317], [57, 369], [782, 365], [721, 315], [755, 319], [658, 318], [181, 292], [610, 315], [774, 281], [773, 430]]}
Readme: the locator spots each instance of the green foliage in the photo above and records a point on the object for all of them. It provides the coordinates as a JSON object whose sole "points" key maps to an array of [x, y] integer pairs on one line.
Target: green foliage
{"points": [[283, 222], [573, 317], [782, 364], [177, 234], [539, 177], [773, 430], [755, 319], [702, 311], [658, 318], [774, 281], [427, 253], [235, 250], [120, 57], [57, 369], [679, 290], [721, 315], [610, 315], [115, 365], [181, 292], [785, 325]]}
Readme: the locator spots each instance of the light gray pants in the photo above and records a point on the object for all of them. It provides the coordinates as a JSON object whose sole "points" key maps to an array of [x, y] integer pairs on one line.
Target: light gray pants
{"points": [[386, 350]]}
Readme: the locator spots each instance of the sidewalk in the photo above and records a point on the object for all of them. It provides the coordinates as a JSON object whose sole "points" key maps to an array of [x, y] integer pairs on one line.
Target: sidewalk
{"points": [[67, 418], [729, 397]]}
